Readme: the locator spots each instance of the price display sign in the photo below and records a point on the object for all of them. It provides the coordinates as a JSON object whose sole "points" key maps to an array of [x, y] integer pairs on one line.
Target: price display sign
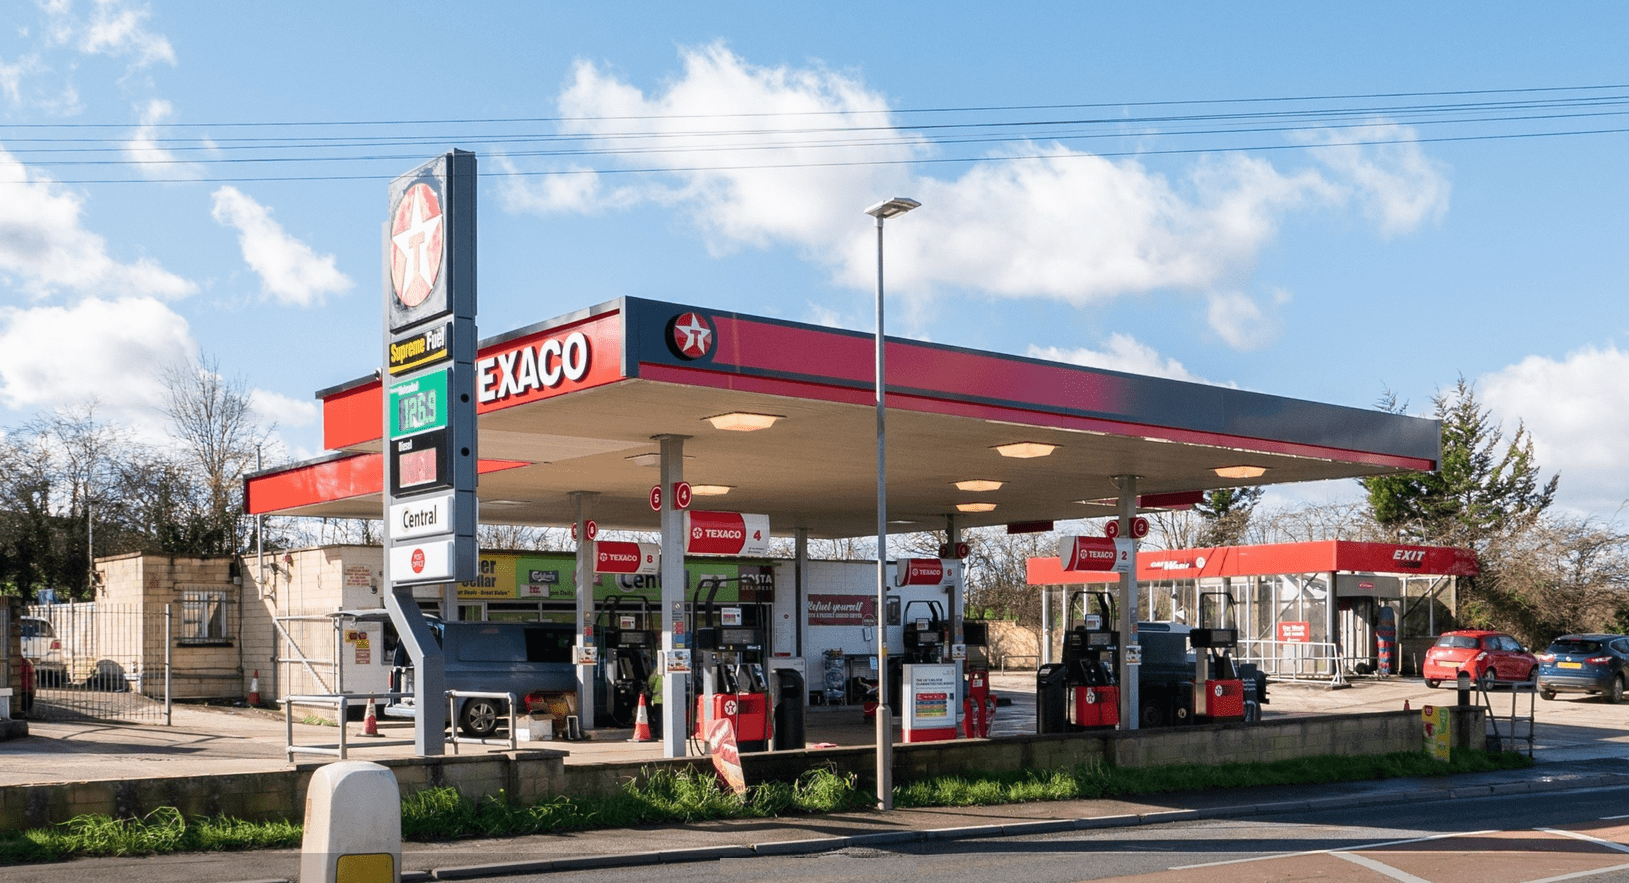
{"points": [[418, 404]]}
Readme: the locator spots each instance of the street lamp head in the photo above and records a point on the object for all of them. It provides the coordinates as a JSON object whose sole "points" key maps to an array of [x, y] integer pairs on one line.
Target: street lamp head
{"points": [[899, 205]]}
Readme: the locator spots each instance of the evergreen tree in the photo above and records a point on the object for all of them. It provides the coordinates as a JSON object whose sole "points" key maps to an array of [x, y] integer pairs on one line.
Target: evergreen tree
{"points": [[1482, 489], [1225, 513]]}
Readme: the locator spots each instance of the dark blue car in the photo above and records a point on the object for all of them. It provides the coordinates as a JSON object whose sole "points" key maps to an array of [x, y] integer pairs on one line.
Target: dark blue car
{"points": [[1585, 664]]}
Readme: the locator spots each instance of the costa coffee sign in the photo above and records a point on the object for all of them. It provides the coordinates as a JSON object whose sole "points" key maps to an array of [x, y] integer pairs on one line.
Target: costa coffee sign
{"points": [[635, 558], [919, 572], [1087, 553], [726, 533]]}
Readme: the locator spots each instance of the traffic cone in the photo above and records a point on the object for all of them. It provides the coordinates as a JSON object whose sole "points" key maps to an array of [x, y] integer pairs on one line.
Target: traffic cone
{"points": [[370, 721], [254, 688], [1405, 706], [641, 727]]}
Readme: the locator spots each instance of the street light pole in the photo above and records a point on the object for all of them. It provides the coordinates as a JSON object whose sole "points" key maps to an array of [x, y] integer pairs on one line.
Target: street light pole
{"points": [[885, 720]]}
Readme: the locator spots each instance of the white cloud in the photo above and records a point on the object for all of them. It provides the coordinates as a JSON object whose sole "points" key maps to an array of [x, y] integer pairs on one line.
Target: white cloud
{"points": [[1397, 184], [1242, 321], [285, 411], [151, 159], [756, 163], [44, 247], [117, 29], [1123, 353], [1574, 408], [289, 270], [96, 349]]}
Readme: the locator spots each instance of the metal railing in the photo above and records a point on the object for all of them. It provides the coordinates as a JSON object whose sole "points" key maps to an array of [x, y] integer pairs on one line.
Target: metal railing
{"points": [[341, 703], [1296, 660], [452, 716], [1497, 741]]}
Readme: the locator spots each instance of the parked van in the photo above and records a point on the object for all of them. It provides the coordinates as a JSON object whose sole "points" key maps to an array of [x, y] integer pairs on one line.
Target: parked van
{"points": [[522, 658]]}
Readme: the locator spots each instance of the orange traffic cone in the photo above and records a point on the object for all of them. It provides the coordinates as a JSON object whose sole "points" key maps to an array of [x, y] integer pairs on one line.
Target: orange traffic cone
{"points": [[370, 721], [254, 689], [641, 727]]}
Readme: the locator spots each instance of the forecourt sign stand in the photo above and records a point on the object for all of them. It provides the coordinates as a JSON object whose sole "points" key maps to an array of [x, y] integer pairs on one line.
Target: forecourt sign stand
{"points": [[428, 413], [779, 418]]}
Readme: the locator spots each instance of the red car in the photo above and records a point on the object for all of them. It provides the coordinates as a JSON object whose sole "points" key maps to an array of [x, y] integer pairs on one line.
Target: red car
{"points": [[1486, 656]]}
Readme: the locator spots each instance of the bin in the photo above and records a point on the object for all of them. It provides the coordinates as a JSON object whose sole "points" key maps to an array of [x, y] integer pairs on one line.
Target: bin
{"points": [[789, 693]]}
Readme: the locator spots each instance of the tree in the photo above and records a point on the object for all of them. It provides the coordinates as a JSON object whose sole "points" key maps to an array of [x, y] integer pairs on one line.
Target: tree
{"points": [[211, 419], [1482, 488], [1226, 515]]}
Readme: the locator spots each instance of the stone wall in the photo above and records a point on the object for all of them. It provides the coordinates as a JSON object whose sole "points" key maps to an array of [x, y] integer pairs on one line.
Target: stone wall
{"points": [[529, 776]]}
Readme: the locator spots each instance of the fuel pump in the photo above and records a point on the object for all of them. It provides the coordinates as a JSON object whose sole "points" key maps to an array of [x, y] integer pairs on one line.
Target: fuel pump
{"points": [[1222, 691], [630, 648], [1081, 692], [730, 651]]}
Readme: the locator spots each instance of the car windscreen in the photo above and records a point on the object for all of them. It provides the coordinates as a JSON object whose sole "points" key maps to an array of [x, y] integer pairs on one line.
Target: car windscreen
{"points": [[1460, 642], [1575, 646]]}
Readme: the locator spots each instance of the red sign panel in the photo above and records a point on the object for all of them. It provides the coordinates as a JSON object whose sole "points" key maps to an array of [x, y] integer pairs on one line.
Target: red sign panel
{"points": [[919, 572], [726, 533], [1087, 553], [842, 609], [1295, 632], [614, 557]]}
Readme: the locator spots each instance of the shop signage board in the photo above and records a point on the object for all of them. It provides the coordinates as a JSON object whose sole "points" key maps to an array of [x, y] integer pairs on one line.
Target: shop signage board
{"points": [[421, 517], [1437, 732], [726, 533], [849, 610], [429, 561]]}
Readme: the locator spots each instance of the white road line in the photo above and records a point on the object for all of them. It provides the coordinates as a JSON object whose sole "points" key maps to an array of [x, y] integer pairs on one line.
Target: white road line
{"points": [[1262, 858], [1380, 868], [1586, 838], [1612, 818], [1579, 875]]}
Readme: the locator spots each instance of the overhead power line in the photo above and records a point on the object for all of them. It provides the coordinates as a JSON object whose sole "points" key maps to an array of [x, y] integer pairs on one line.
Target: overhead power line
{"points": [[843, 138]]}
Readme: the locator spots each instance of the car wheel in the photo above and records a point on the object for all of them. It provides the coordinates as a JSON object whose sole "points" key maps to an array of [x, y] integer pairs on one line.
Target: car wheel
{"points": [[1532, 675], [1433, 683], [1546, 695], [479, 718], [1614, 693], [1485, 680]]}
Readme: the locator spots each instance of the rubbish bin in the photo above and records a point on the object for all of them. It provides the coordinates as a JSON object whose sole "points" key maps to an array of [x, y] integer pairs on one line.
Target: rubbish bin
{"points": [[1052, 698], [789, 697]]}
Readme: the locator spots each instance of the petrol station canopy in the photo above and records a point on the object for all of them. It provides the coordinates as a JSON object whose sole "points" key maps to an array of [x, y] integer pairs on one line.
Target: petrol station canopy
{"points": [[575, 404]]}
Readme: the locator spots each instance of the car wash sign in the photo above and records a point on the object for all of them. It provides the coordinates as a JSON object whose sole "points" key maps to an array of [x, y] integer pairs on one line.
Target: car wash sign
{"points": [[429, 353]]}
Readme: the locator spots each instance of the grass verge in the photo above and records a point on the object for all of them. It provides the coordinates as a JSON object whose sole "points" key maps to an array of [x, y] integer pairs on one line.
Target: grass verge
{"points": [[687, 796]]}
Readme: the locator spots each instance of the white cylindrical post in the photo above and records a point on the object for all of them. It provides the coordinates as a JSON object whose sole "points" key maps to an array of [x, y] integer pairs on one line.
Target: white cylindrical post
{"points": [[353, 825]]}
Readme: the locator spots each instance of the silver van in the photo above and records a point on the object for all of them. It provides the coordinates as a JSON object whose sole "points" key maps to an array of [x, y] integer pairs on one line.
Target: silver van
{"points": [[494, 657]]}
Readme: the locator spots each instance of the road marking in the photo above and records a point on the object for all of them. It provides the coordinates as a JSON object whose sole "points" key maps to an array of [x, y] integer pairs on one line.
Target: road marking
{"points": [[1586, 838], [1380, 868], [1582, 874], [1240, 861], [1612, 818]]}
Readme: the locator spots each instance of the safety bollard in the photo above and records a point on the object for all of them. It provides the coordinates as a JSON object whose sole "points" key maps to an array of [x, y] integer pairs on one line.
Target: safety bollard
{"points": [[353, 825], [1463, 683]]}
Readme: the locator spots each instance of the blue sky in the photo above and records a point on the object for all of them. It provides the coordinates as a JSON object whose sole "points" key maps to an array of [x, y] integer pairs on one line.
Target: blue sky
{"points": [[1175, 189]]}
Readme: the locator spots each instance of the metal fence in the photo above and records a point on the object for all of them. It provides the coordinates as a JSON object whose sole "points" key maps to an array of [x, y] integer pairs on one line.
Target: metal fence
{"points": [[98, 661]]}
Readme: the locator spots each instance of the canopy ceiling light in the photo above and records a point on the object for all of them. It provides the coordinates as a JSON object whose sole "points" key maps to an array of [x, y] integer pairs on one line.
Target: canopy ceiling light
{"points": [[740, 421], [975, 507], [1025, 450], [1240, 471], [978, 484], [649, 458], [710, 490]]}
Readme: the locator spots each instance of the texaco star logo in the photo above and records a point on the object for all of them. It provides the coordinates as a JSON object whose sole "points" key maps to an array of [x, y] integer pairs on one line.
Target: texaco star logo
{"points": [[690, 336], [415, 239]]}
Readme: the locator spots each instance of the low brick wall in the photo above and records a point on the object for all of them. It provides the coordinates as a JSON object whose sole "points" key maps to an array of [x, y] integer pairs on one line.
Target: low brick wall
{"points": [[529, 776]]}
